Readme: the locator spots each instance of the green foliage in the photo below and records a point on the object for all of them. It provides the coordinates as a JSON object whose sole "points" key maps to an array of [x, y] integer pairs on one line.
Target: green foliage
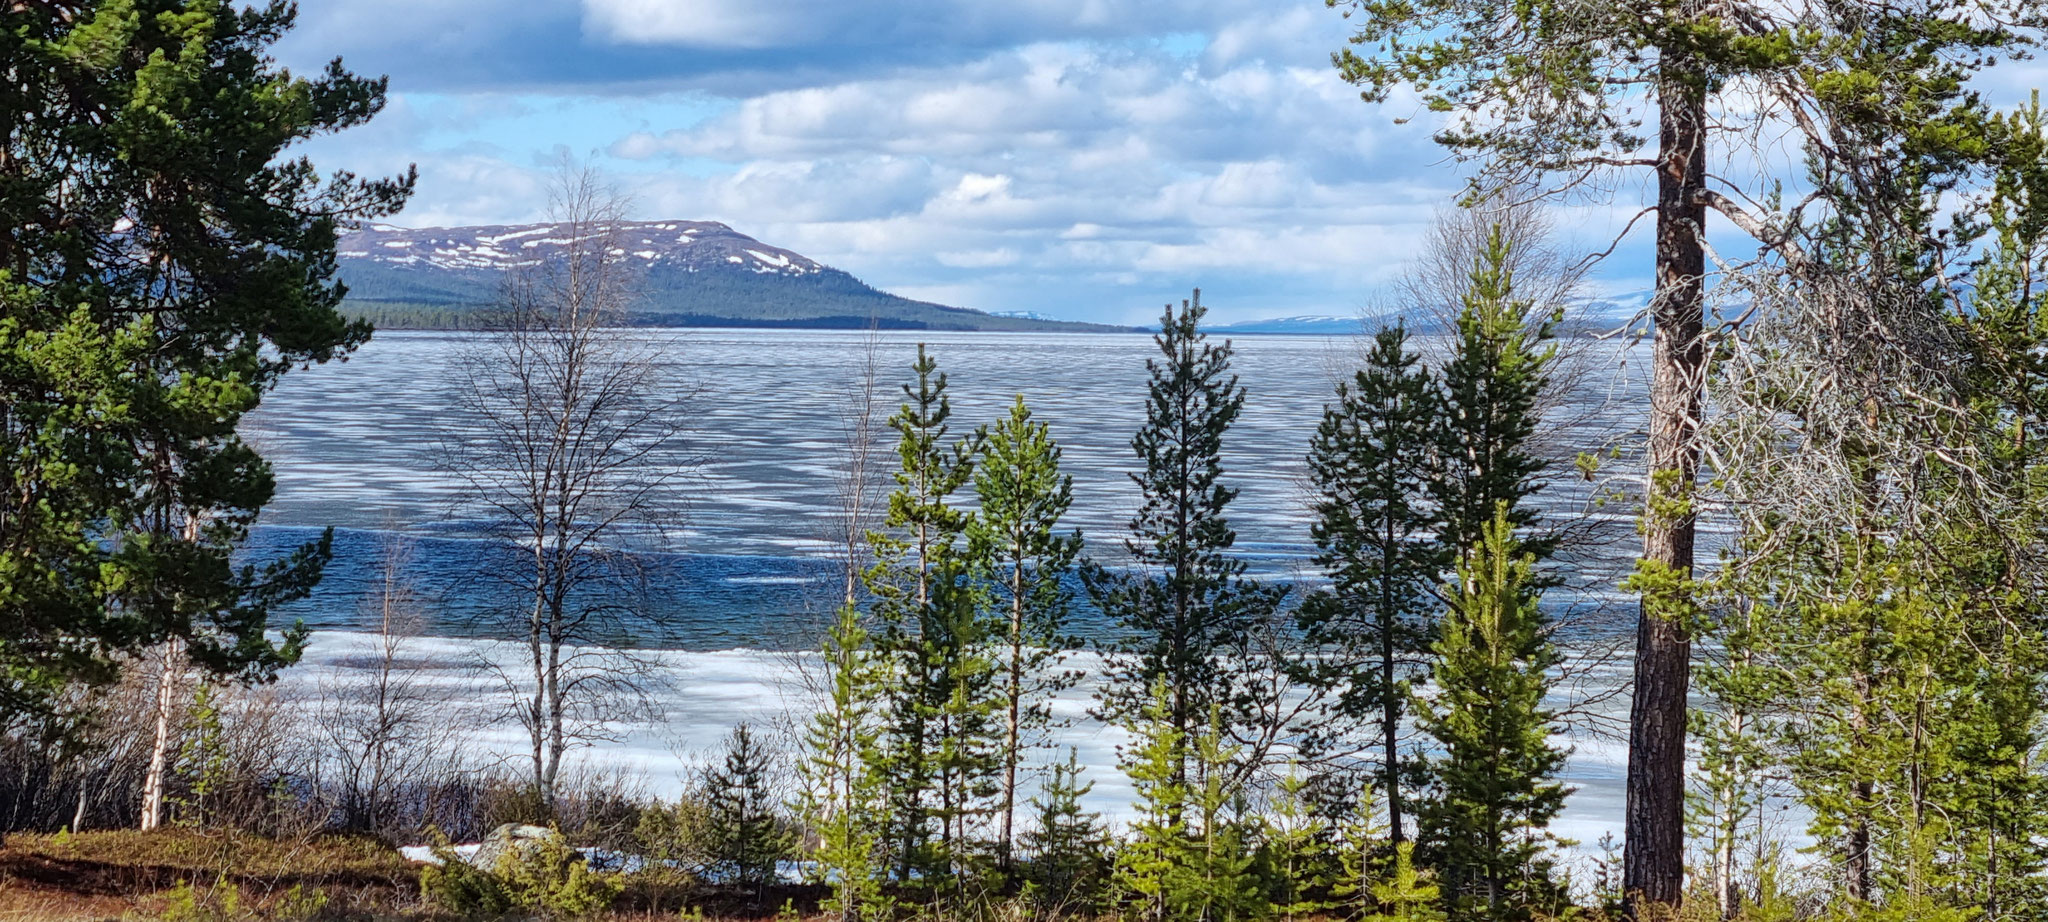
{"points": [[166, 260], [1360, 846], [844, 792], [550, 879], [225, 902], [1148, 860], [673, 832], [1371, 460], [744, 833], [942, 748], [298, 904], [1491, 387], [1218, 870], [1407, 895], [1298, 852], [1067, 868], [1191, 854], [1021, 559], [542, 877], [202, 760], [1493, 794], [455, 886], [221, 902], [1547, 86], [1189, 619]]}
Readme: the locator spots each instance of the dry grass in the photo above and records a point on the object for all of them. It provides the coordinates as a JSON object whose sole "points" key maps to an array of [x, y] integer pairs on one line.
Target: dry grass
{"points": [[132, 876], [129, 874]]}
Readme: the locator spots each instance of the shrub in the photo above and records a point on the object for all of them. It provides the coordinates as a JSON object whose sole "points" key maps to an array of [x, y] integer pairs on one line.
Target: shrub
{"points": [[221, 903], [541, 876], [549, 877]]}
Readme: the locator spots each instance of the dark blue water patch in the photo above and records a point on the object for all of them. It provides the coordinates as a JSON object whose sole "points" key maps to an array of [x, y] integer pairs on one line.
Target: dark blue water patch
{"points": [[469, 587]]}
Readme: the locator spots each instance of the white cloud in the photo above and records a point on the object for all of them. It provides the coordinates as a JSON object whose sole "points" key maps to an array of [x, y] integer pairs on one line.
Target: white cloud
{"points": [[1090, 161]]}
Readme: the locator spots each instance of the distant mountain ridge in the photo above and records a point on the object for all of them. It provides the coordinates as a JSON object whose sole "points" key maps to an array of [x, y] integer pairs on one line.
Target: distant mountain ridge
{"points": [[1591, 315], [689, 273]]}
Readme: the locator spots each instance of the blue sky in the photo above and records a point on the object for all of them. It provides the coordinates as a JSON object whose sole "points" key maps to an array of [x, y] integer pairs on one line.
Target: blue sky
{"points": [[1087, 159]]}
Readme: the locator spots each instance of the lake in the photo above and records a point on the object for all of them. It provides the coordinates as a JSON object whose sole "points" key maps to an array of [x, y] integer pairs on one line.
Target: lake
{"points": [[740, 578]]}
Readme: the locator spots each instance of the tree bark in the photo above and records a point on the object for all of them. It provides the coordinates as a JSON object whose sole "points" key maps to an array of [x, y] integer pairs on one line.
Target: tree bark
{"points": [[1013, 734], [160, 743], [1653, 861], [1390, 704]]}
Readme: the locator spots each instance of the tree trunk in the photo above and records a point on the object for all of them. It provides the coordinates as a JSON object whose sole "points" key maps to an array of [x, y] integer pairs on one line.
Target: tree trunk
{"points": [[1653, 862], [160, 744], [1011, 739], [1390, 714]]}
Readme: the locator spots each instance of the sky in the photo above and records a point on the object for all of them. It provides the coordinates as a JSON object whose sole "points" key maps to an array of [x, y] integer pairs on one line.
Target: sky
{"points": [[1083, 159]]}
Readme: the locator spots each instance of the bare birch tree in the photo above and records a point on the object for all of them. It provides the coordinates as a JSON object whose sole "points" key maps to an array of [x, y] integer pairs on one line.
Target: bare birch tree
{"points": [[568, 447], [382, 721]]}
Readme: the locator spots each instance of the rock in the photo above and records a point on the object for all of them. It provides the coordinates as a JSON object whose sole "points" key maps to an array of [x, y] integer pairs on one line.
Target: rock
{"points": [[509, 838]]}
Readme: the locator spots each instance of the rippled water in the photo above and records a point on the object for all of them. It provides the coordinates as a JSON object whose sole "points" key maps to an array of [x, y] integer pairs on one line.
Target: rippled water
{"points": [[743, 574], [353, 444]]}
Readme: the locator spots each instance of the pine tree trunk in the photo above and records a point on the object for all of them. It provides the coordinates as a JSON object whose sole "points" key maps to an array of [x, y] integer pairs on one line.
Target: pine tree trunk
{"points": [[153, 780], [1653, 863], [1390, 714], [1016, 694]]}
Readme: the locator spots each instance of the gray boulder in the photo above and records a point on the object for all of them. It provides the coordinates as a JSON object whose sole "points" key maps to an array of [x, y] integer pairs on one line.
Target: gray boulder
{"points": [[510, 838]]}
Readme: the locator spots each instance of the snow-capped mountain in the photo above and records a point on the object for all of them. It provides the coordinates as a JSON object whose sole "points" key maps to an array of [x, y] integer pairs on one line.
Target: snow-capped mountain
{"points": [[691, 245], [688, 273], [1328, 326]]}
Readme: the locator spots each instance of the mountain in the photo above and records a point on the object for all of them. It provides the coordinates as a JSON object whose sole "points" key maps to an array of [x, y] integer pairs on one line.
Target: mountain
{"points": [[1586, 316], [1316, 325], [688, 273]]}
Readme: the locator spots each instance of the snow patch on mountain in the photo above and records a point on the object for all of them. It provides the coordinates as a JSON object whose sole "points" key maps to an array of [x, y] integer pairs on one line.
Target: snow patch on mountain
{"points": [[685, 245]]}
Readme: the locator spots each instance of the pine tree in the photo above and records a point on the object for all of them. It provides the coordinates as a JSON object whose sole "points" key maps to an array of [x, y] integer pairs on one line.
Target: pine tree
{"points": [[1022, 559], [1407, 895], [941, 753], [1886, 581], [844, 802], [167, 259], [1067, 853], [1187, 613], [1219, 880], [1360, 847], [1371, 460], [1150, 863], [1491, 387], [1494, 794], [745, 835]]}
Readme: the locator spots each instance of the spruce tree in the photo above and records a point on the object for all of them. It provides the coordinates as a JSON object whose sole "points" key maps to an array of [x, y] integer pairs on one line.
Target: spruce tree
{"points": [[1022, 559], [1067, 853], [166, 259], [1494, 793], [744, 832], [1187, 614], [1491, 388], [1371, 461], [941, 752]]}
